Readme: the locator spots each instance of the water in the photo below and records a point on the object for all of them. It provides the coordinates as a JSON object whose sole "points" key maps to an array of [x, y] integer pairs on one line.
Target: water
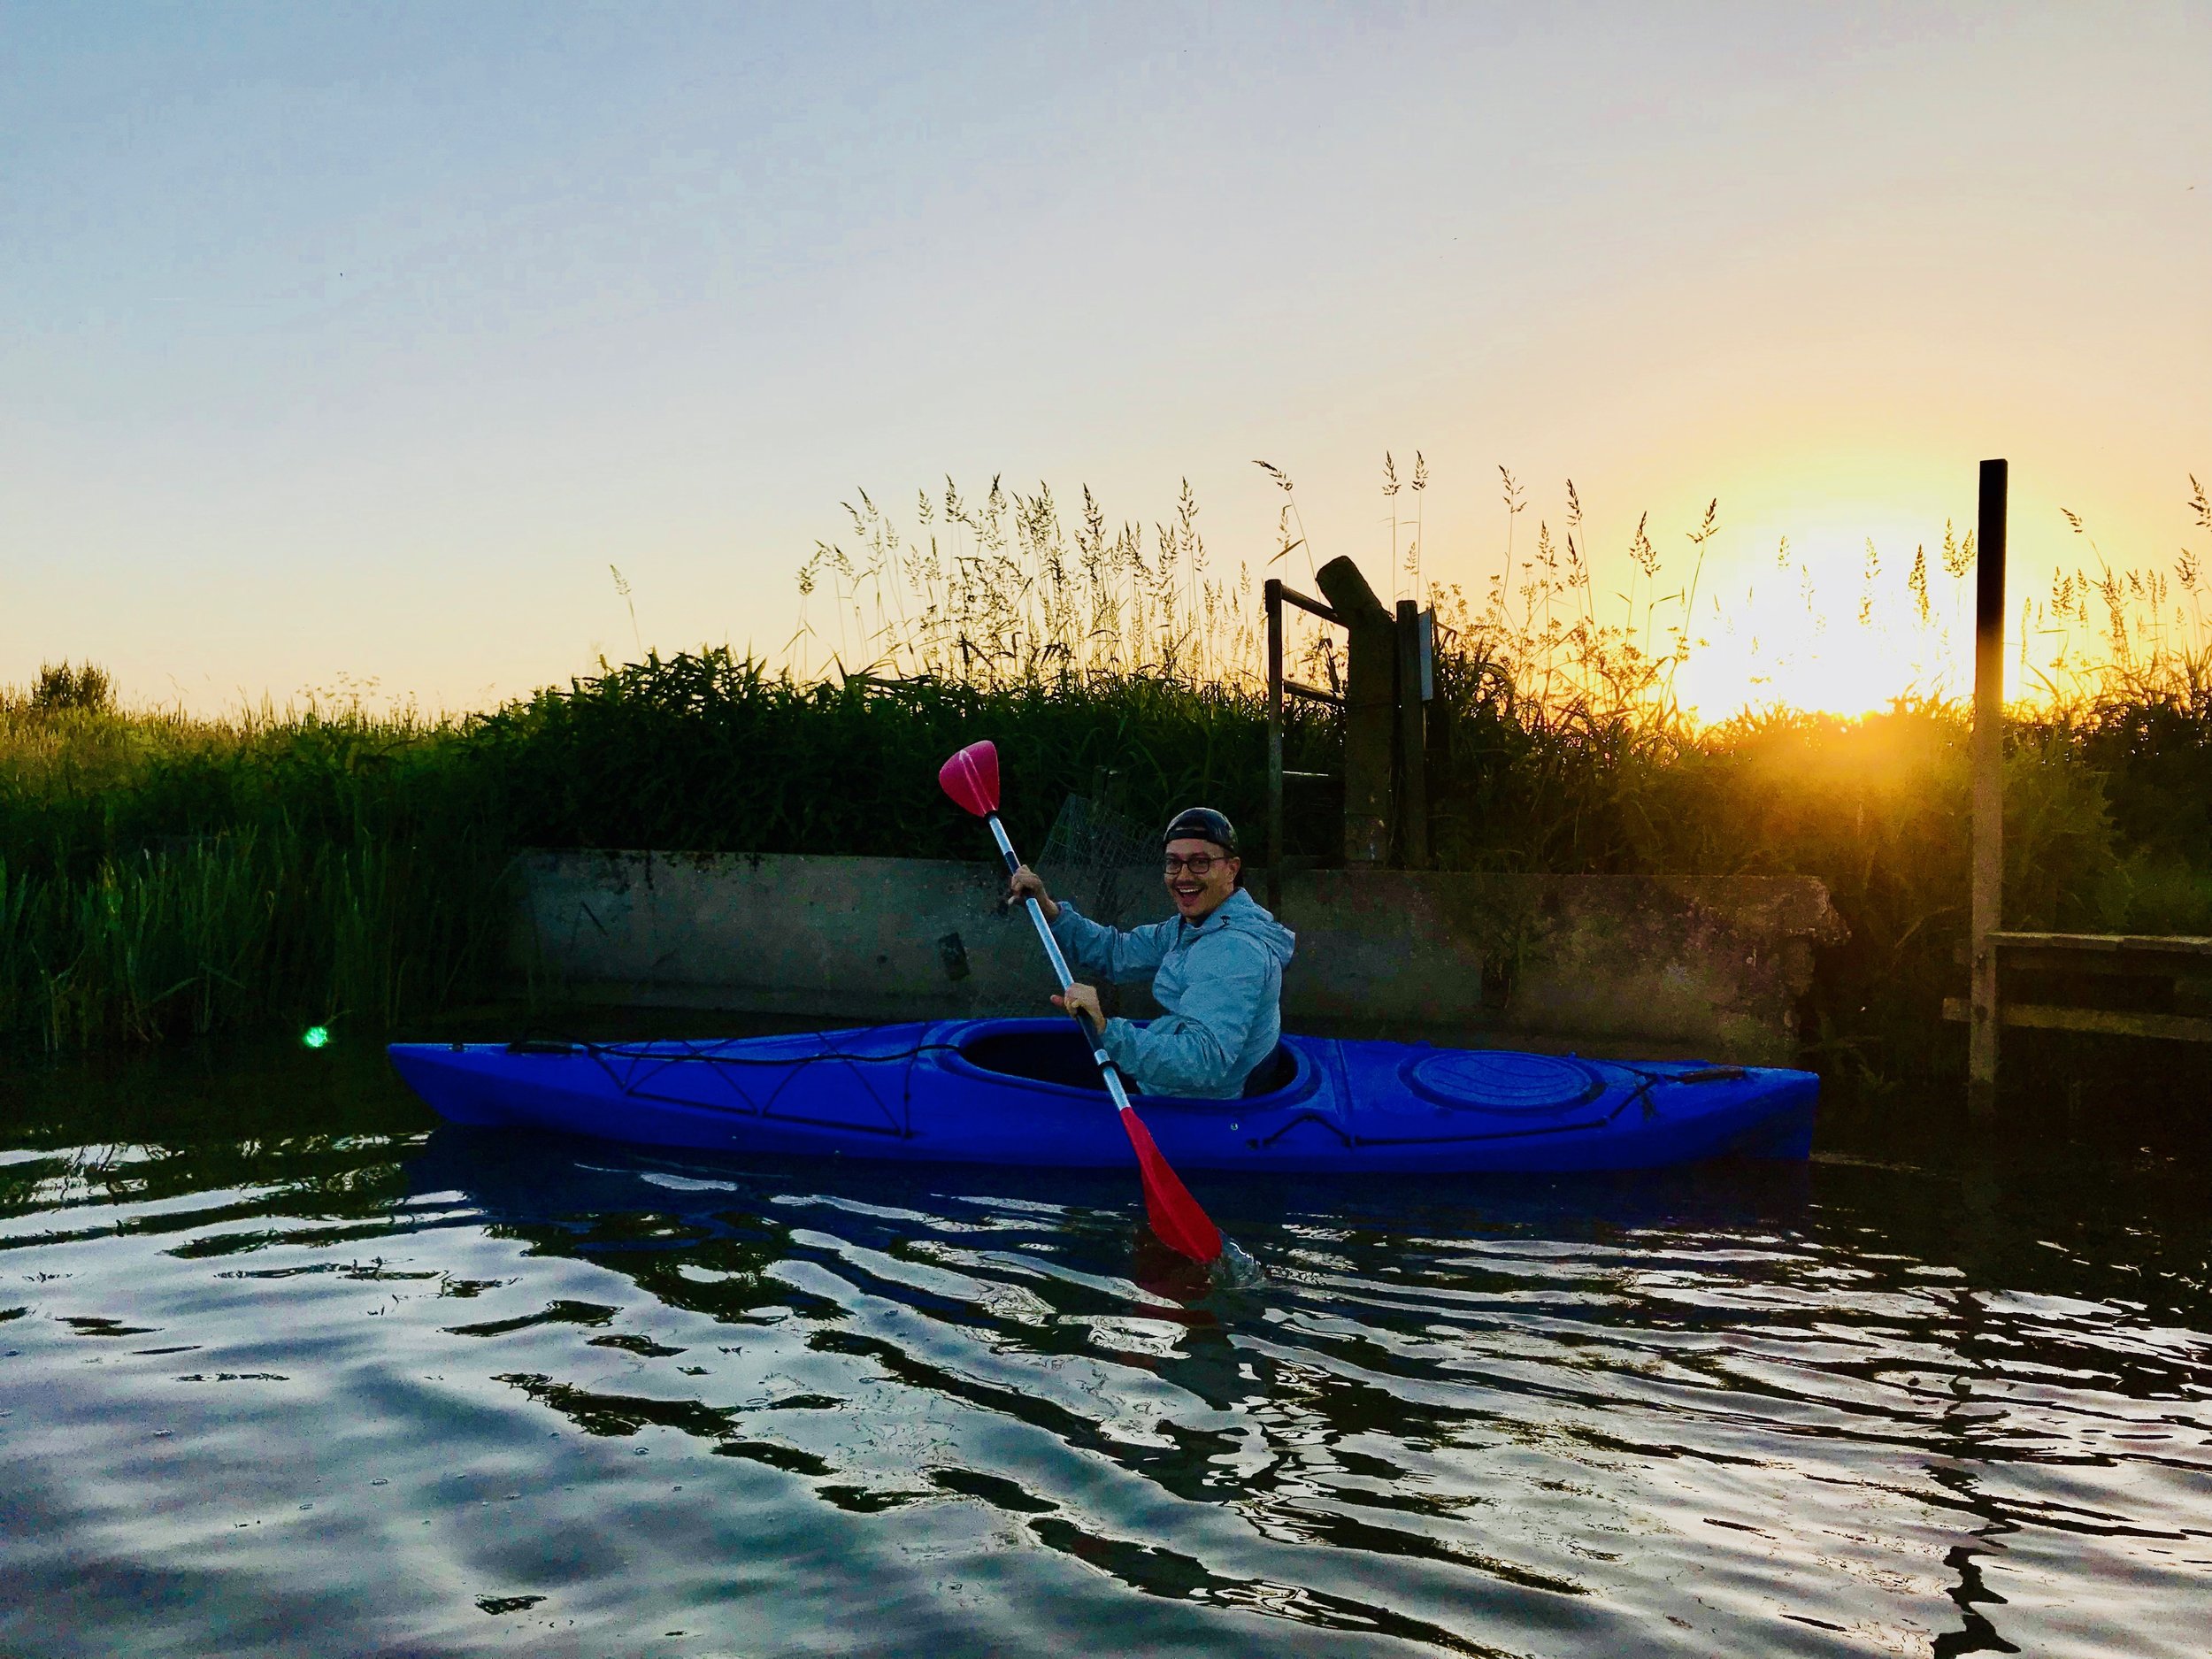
{"points": [[283, 1369]]}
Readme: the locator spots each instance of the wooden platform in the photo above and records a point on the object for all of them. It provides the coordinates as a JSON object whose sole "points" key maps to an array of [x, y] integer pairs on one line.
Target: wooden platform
{"points": [[2168, 958]]}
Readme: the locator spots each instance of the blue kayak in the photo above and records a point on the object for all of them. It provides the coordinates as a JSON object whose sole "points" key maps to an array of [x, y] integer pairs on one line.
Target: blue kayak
{"points": [[1023, 1092]]}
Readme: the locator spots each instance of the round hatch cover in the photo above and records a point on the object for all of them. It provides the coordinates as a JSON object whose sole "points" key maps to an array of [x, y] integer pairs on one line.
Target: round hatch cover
{"points": [[1501, 1082]]}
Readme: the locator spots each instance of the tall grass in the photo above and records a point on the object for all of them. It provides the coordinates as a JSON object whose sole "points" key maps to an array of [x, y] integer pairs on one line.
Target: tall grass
{"points": [[162, 877], [997, 591], [1674, 642], [1567, 734], [710, 751]]}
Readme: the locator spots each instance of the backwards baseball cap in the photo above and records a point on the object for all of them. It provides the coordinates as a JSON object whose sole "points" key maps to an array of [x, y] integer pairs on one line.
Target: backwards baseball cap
{"points": [[1203, 824]]}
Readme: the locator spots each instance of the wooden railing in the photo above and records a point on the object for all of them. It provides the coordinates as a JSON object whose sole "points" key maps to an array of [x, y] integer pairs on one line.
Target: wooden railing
{"points": [[2072, 981], [1387, 683], [2069, 981]]}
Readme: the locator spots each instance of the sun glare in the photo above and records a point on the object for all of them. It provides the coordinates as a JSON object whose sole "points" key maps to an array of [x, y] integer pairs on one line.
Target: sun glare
{"points": [[1833, 619]]}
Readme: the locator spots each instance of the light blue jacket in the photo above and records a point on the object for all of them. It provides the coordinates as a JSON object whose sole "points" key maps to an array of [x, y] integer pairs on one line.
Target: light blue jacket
{"points": [[1219, 981]]}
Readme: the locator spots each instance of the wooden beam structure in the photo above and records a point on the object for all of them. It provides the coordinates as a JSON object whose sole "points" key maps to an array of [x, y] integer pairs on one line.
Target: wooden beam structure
{"points": [[1988, 894], [2110, 1022], [2136, 956], [1382, 704], [2170, 958], [1370, 688], [1413, 742], [1274, 596], [1277, 688]]}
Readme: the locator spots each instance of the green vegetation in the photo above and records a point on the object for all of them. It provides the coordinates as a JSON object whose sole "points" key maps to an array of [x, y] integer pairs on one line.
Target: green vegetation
{"points": [[2109, 808], [163, 877]]}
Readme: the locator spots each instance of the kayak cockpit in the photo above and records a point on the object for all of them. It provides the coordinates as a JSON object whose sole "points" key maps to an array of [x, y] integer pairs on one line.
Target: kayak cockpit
{"points": [[1056, 1053], [1039, 1056]]}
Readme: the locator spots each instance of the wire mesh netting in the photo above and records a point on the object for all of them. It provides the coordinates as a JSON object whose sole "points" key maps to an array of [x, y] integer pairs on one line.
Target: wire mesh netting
{"points": [[1095, 856]]}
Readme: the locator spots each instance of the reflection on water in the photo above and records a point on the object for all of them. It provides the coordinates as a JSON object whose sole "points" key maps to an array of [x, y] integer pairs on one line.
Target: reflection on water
{"points": [[283, 1370]]}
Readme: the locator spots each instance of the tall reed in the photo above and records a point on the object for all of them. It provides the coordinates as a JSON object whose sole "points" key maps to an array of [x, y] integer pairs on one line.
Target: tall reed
{"points": [[163, 877], [710, 751], [1565, 736]]}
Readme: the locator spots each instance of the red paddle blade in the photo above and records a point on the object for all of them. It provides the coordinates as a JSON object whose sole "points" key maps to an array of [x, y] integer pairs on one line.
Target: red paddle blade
{"points": [[1176, 1220], [970, 778]]}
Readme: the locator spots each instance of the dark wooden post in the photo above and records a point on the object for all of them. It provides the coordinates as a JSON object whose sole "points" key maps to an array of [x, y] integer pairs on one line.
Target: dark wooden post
{"points": [[1413, 742], [1370, 676], [1989, 791], [1274, 591]]}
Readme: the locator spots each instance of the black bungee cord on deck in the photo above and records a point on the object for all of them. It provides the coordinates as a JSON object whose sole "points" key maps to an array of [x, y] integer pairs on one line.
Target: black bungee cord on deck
{"points": [[645, 1049], [631, 1066], [686, 1050]]}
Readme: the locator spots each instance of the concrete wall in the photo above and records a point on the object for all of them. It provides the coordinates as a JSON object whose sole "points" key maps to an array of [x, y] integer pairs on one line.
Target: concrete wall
{"points": [[1628, 965]]}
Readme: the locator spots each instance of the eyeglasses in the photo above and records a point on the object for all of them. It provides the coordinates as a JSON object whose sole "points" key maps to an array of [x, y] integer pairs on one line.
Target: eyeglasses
{"points": [[1200, 864]]}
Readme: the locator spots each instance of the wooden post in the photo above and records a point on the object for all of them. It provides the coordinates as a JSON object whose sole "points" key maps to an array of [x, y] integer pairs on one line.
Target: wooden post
{"points": [[1413, 743], [1989, 792], [1274, 591], [1370, 675]]}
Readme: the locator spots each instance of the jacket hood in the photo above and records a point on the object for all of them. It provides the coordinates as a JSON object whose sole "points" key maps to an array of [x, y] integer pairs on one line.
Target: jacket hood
{"points": [[1242, 913]]}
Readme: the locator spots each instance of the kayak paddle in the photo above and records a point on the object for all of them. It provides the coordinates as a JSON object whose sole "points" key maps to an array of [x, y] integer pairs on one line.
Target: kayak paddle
{"points": [[970, 778]]}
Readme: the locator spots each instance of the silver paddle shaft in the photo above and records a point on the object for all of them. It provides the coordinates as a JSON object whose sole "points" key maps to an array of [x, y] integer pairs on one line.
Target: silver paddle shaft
{"points": [[1060, 967]]}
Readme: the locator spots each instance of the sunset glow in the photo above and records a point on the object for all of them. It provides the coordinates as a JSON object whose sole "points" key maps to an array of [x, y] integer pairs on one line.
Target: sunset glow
{"points": [[346, 354]]}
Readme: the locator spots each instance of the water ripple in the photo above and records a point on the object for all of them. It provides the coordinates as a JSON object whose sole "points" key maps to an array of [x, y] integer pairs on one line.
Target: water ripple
{"points": [[367, 1390]]}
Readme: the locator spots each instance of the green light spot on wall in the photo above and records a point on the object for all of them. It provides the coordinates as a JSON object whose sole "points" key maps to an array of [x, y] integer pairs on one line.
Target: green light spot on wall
{"points": [[315, 1036]]}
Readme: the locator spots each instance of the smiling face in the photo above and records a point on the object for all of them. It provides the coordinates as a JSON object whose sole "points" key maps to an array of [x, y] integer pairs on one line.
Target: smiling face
{"points": [[1198, 895]]}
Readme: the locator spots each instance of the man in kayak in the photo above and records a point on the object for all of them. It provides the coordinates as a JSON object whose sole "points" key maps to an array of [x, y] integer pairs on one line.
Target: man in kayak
{"points": [[1216, 967]]}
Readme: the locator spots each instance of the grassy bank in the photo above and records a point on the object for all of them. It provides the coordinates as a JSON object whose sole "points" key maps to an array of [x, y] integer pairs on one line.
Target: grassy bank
{"points": [[2108, 807], [162, 878]]}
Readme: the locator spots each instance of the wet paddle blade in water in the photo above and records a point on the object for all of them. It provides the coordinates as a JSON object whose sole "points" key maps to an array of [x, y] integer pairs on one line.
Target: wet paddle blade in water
{"points": [[1176, 1220]]}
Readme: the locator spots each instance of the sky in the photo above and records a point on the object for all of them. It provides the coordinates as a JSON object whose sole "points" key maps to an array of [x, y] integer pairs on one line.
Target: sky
{"points": [[347, 347]]}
